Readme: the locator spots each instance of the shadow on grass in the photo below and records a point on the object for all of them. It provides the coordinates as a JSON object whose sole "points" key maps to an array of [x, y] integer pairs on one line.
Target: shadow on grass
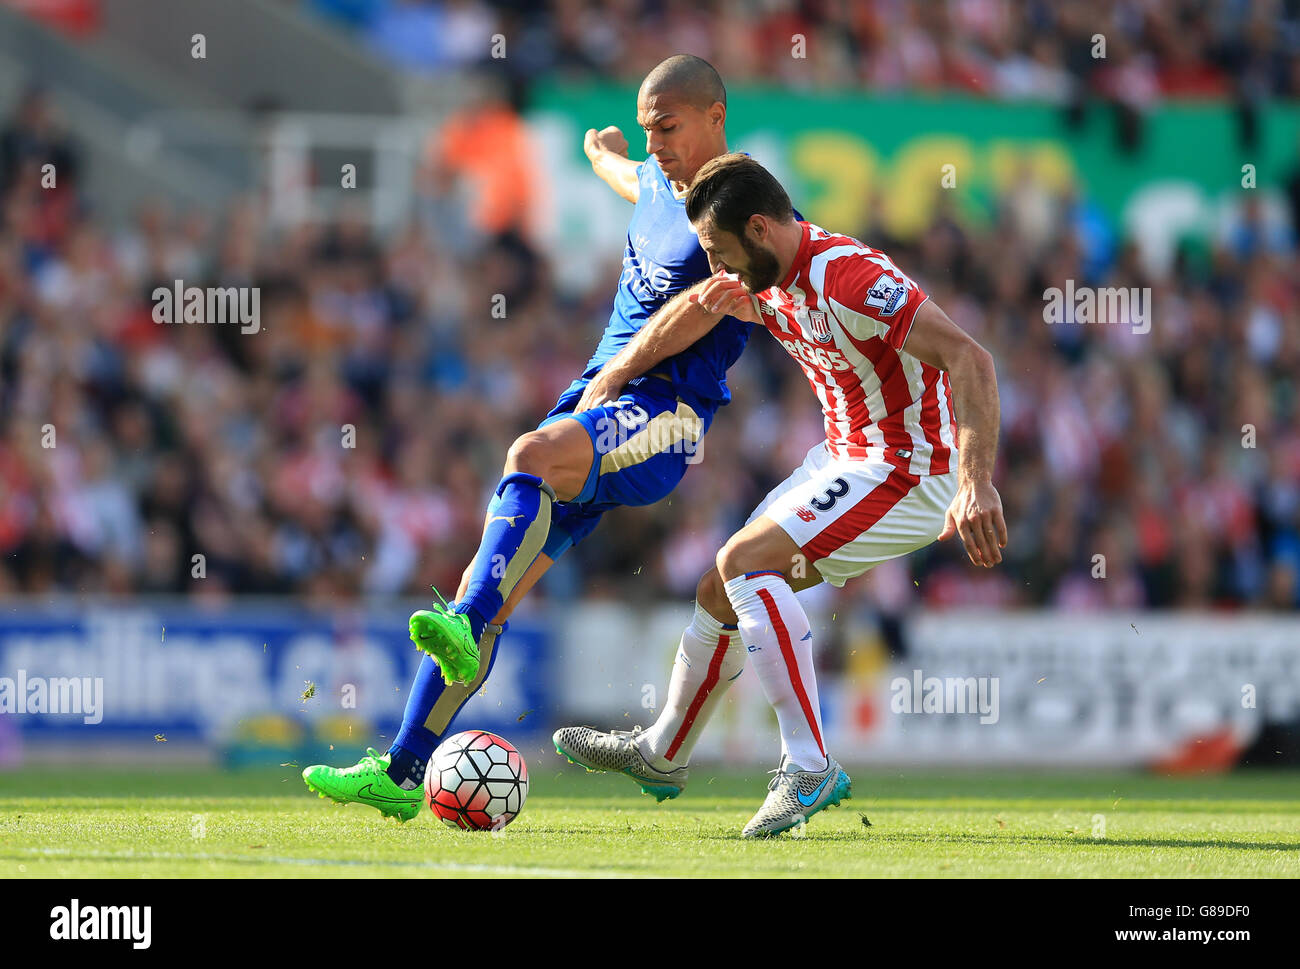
{"points": [[1039, 840], [710, 832], [1084, 840]]}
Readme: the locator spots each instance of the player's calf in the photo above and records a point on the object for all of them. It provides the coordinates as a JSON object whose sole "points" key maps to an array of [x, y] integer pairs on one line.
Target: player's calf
{"points": [[709, 658], [514, 534], [711, 596]]}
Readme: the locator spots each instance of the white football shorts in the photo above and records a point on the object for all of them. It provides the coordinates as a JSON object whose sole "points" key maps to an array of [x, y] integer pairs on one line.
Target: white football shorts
{"points": [[849, 516]]}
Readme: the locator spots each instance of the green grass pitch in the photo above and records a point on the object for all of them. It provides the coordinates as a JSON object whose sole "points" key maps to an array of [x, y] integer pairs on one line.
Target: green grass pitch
{"points": [[170, 822]]}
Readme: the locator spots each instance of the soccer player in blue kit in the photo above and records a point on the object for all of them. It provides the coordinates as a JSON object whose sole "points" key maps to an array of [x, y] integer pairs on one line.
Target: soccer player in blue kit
{"points": [[613, 438]]}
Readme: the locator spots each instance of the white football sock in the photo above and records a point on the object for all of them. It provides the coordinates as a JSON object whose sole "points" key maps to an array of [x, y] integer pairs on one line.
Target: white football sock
{"points": [[711, 655], [776, 632]]}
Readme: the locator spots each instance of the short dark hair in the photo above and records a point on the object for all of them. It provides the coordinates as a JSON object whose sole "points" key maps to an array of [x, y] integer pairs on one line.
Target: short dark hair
{"points": [[691, 78], [731, 188]]}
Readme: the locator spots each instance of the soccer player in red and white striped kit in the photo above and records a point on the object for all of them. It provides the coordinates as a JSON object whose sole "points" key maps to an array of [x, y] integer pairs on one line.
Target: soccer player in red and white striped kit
{"points": [[897, 471]]}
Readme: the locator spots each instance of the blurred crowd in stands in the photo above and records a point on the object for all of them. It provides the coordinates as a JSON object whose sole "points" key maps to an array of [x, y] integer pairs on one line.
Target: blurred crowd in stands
{"points": [[348, 447], [1044, 49]]}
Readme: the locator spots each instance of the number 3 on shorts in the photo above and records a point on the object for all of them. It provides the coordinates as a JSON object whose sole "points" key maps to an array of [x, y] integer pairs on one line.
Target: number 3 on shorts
{"points": [[631, 416], [838, 489]]}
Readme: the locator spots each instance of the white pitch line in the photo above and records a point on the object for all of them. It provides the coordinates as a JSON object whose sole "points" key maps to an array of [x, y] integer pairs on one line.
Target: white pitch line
{"points": [[346, 862]]}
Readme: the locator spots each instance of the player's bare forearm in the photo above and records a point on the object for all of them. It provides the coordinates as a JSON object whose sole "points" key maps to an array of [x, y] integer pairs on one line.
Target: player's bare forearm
{"points": [[976, 512], [673, 328], [618, 173], [607, 152], [977, 409]]}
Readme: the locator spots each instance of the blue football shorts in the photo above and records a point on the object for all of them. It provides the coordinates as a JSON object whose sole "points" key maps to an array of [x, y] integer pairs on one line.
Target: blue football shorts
{"points": [[643, 444]]}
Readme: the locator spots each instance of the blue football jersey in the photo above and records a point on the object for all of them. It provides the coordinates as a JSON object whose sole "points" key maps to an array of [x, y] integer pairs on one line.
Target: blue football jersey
{"points": [[662, 258]]}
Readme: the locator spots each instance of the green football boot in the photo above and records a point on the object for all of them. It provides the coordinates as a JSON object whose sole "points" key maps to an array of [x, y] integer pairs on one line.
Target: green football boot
{"points": [[366, 783], [446, 636]]}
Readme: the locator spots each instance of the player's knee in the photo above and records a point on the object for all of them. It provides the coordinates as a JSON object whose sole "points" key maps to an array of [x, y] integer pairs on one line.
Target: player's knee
{"points": [[712, 595], [532, 454], [748, 553], [735, 558], [551, 460]]}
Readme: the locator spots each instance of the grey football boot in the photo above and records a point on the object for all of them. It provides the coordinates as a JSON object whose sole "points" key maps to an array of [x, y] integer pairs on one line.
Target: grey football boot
{"points": [[618, 751], [795, 795]]}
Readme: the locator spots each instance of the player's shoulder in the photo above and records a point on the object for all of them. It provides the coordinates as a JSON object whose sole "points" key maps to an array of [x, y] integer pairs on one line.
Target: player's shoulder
{"points": [[859, 277], [832, 246], [840, 260]]}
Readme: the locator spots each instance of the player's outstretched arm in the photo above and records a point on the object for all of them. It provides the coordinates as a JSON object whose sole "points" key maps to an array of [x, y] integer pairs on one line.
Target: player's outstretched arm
{"points": [[674, 327], [976, 513], [607, 151]]}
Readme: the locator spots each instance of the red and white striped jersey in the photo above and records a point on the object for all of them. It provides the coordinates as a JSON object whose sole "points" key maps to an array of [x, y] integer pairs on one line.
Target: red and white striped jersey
{"points": [[843, 312]]}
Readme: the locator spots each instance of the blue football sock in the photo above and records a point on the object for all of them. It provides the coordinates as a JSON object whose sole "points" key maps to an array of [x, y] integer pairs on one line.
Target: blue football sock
{"points": [[476, 620], [430, 710], [519, 519], [406, 769]]}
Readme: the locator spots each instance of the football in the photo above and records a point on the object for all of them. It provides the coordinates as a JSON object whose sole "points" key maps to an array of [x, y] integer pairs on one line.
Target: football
{"points": [[476, 781]]}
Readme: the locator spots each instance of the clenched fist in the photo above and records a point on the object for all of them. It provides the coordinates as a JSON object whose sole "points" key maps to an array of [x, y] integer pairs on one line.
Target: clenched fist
{"points": [[608, 139]]}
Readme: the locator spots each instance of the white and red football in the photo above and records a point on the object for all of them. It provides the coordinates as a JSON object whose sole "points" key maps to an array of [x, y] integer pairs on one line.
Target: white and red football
{"points": [[476, 781]]}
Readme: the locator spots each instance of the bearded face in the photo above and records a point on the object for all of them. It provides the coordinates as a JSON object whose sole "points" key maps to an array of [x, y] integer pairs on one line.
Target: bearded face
{"points": [[753, 262], [763, 271]]}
